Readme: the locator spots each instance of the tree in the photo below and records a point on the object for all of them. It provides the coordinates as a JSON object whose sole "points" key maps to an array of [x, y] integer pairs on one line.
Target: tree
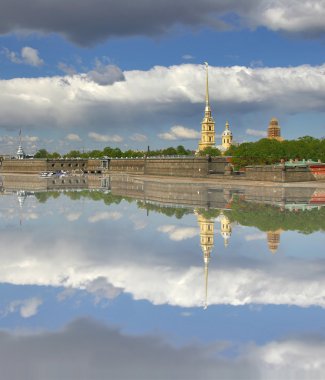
{"points": [[210, 151], [42, 153]]}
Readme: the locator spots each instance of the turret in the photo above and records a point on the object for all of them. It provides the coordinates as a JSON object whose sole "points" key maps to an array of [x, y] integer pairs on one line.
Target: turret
{"points": [[226, 137], [225, 229]]}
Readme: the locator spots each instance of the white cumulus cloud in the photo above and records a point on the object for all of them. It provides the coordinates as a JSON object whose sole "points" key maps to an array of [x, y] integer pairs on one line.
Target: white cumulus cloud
{"points": [[104, 138], [164, 94], [256, 132], [31, 56], [179, 132], [257, 236], [73, 137], [138, 137], [104, 215], [179, 233], [27, 308]]}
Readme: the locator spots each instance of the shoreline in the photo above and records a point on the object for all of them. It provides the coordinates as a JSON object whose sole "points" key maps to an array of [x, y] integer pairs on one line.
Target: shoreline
{"points": [[224, 181], [189, 180]]}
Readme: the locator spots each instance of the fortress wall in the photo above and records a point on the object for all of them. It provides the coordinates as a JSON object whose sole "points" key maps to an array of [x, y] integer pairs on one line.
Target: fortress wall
{"points": [[169, 166], [177, 167], [132, 165], [299, 174], [34, 166], [265, 173], [279, 173]]}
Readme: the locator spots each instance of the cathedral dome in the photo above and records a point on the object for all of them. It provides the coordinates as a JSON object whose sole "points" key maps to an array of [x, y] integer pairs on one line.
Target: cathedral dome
{"points": [[227, 131]]}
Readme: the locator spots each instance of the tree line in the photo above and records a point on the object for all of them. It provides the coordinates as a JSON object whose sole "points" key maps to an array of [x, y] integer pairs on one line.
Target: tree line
{"points": [[262, 152], [116, 153], [268, 152]]}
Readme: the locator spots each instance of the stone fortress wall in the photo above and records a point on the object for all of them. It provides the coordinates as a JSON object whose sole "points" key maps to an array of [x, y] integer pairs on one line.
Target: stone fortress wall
{"points": [[36, 166], [170, 166], [190, 167], [215, 167]]}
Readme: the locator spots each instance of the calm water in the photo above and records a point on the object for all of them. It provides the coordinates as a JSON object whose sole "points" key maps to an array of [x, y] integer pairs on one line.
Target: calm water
{"points": [[113, 284]]}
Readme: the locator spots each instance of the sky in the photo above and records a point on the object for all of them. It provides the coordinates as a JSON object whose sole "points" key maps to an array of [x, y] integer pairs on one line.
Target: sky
{"points": [[85, 74]]}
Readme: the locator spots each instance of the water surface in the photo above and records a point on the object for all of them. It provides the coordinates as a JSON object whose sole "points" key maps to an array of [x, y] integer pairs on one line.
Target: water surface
{"points": [[133, 280]]}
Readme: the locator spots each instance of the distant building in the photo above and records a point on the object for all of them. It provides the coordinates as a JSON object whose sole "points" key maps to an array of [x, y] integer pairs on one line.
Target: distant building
{"points": [[207, 125], [274, 130], [20, 152]]}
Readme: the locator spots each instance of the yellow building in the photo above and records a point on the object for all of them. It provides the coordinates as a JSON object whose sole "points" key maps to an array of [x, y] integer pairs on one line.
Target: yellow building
{"points": [[226, 138], [225, 228], [274, 130], [207, 241], [207, 125]]}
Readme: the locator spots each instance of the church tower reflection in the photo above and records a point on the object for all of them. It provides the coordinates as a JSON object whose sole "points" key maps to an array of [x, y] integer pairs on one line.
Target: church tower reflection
{"points": [[273, 240], [207, 241], [225, 228]]}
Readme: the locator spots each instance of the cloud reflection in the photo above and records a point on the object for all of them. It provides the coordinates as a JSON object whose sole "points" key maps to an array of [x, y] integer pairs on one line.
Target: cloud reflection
{"points": [[27, 308], [85, 349]]}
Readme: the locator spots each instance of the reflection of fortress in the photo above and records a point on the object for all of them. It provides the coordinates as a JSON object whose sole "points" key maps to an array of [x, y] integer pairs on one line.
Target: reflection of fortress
{"points": [[205, 195], [207, 242]]}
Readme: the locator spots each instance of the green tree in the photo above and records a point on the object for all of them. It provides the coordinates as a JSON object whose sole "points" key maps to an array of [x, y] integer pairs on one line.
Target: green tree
{"points": [[210, 151], [42, 153]]}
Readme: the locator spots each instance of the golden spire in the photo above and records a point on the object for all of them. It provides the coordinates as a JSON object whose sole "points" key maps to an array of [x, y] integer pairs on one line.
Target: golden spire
{"points": [[207, 125], [207, 99], [206, 274]]}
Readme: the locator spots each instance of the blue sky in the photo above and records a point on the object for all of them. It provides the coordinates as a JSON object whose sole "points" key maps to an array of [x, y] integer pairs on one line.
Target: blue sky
{"points": [[89, 74]]}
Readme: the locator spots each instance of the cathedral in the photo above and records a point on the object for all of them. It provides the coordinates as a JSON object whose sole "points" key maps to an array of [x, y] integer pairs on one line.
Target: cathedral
{"points": [[208, 125]]}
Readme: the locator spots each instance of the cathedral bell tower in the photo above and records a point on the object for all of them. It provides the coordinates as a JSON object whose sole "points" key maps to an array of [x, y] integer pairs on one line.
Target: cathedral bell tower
{"points": [[207, 125]]}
